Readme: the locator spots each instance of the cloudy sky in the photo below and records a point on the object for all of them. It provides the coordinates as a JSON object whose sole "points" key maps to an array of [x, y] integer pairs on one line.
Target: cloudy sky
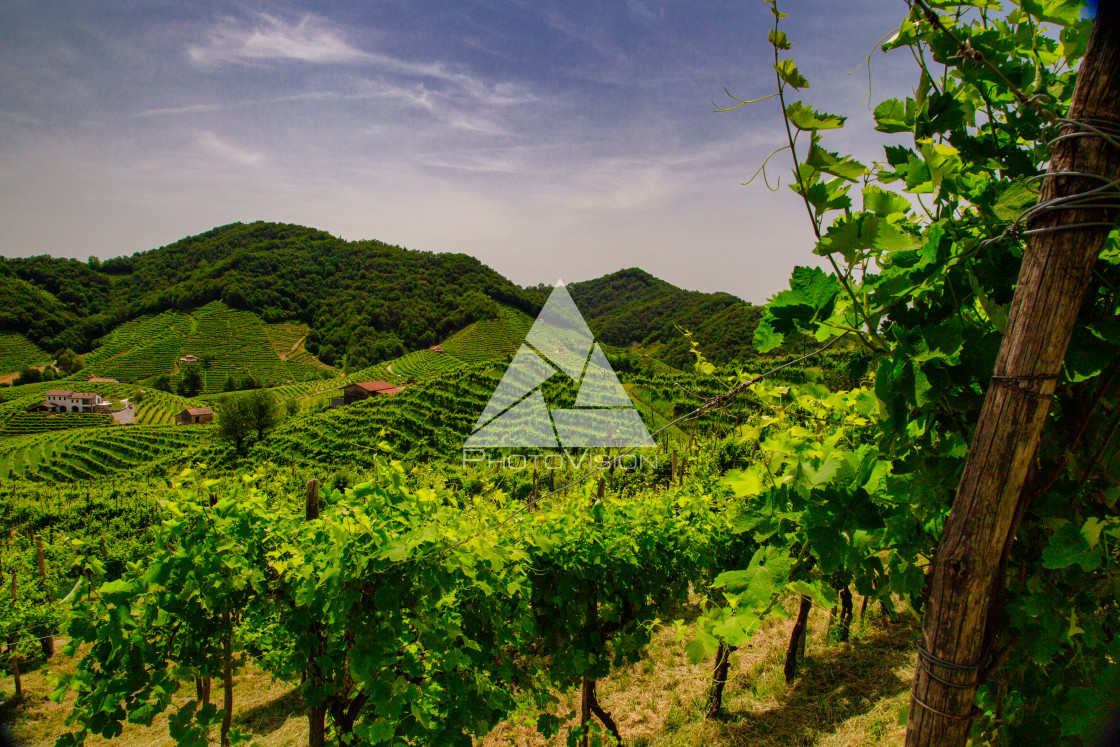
{"points": [[548, 139]]}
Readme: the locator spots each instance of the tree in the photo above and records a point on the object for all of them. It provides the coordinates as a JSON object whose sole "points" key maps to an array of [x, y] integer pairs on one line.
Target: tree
{"points": [[163, 383], [264, 411], [69, 361], [28, 375], [235, 421], [230, 385], [191, 382]]}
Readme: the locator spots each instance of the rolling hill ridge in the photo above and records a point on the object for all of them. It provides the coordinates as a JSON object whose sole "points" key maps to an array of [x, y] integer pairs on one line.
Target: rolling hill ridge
{"points": [[360, 302]]}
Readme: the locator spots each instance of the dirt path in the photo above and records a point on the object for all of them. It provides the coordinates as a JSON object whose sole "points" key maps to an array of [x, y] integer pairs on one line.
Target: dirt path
{"points": [[295, 348]]}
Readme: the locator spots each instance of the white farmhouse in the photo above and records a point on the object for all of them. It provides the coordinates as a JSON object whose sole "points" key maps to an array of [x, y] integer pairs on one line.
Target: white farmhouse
{"points": [[64, 400]]}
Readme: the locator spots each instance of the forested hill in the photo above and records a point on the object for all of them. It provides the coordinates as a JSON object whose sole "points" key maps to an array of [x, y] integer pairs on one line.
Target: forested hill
{"points": [[633, 307], [366, 298], [363, 299]]}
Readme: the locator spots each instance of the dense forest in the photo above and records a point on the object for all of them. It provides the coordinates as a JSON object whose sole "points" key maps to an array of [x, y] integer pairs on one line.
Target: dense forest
{"points": [[365, 301]]}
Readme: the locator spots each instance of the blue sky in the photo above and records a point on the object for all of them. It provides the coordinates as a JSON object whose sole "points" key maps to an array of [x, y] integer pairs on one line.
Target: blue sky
{"points": [[548, 139]]}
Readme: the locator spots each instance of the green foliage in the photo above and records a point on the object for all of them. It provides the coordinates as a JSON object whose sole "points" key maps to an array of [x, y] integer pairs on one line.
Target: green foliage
{"points": [[263, 412], [190, 382], [923, 275], [235, 421], [68, 361]]}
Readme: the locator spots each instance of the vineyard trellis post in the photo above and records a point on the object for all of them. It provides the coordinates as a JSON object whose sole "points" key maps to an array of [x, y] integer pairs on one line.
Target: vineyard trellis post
{"points": [[981, 526], [47, 641], [316, 715]]}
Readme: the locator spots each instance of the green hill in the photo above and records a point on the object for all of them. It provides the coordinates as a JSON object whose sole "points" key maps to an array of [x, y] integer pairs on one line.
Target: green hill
{"points": [[362, 301], [335, 303], [631, 307]]}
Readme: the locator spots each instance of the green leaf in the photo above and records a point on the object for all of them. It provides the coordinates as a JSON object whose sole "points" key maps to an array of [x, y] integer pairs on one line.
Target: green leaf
{"points": [[883, 202], [788, 72], [1068, 547], [778, 39], [765, 338], [1059, 12], [821, 593], [701, 647], [806, 118], [1012, 199], [831, 163], [894, 116]]}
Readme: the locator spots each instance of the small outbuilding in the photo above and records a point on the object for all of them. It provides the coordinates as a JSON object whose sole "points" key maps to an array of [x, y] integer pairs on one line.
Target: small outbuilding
{"points": [[189, 359], [102, 380], [366, 389], [195, 416], [436, 348]]}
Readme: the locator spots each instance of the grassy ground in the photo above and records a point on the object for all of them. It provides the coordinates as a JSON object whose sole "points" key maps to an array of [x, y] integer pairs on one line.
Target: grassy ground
{"points": [[845, 694], [268, 709]]}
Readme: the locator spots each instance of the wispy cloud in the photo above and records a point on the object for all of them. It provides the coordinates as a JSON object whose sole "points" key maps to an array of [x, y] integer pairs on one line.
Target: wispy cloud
{"points": [[188, 109], [228, 151], [308, 40]]}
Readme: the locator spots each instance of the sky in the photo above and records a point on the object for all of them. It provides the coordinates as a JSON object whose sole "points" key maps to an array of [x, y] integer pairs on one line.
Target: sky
{"points": [[549, 139]]}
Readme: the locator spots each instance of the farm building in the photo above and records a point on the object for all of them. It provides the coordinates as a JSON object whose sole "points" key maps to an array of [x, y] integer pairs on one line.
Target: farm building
{"points": [[64, 400], [195, 416], [366, 389], [102, 380], [189, 359], [436, 349]]}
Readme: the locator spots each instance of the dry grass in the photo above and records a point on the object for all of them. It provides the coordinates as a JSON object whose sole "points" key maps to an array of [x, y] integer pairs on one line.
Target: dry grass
{"points": [[845, 694], [266, 708]]}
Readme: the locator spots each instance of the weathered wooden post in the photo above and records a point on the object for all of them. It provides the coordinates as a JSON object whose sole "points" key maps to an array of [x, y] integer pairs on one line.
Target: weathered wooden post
{"points": [[981, 526]]}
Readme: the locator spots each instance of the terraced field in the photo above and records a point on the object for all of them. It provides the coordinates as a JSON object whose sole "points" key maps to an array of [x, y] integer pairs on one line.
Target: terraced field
{"points": [[140, 349], [16, 351], [429, 420], [490, 339], [96, 453], [285, 337], [21, 423], [425, 364]]}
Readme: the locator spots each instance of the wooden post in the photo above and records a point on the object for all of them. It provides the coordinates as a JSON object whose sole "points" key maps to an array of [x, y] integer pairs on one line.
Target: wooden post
{"points": [[797, 639], [311, 509], [47, 641], [316, 715], [977, 536], [227, 677], [673, 477], [13, 650]]}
